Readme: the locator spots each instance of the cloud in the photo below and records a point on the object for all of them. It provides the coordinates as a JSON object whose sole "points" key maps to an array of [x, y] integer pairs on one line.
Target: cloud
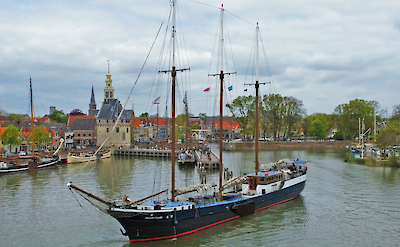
{"points": [[323, 53]]}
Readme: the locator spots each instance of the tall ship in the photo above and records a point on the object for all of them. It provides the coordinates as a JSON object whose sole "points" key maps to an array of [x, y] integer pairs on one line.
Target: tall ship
{"points": [[150, 219]]}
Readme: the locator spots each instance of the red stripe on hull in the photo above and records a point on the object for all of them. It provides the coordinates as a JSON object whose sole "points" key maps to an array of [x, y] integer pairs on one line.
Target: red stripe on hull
{"points": [[275, 204], [184, 233], [204, 227]]}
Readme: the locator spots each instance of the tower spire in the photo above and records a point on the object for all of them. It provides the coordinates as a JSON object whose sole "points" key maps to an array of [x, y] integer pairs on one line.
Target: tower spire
{"points": [[108, 90], [92, 104]]}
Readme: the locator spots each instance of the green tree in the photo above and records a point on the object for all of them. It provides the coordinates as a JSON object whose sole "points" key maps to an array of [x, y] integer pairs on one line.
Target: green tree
{"points": [[145, 114], [202, 116], [58, 117], [274, 111], [16, 117], [396, 113], [328, 120], [41, 137], [318, 129], [350, 114], [388, 135], [242, 108], [338, 135], [180, 120], [11, 136], [294, 112], [195, 126]]}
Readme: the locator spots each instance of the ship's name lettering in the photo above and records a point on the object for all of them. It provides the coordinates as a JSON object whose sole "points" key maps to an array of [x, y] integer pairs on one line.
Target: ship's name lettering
{"points": [[153, 218]]}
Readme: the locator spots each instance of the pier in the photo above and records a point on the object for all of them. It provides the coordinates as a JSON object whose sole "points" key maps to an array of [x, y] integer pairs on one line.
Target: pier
{"points": [[144, 152], [207, 159], [204, 159]]}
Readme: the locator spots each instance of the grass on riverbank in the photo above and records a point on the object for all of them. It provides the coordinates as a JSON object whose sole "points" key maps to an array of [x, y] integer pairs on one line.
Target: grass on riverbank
{"points": [[391, 162]]}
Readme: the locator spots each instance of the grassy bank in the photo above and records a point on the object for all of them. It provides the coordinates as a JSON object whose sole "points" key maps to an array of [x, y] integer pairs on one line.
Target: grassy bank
{"points": [[391, 162]]}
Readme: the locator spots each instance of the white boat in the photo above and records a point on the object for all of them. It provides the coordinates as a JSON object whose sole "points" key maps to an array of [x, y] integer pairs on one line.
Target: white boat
{"points": [[82, 157]]}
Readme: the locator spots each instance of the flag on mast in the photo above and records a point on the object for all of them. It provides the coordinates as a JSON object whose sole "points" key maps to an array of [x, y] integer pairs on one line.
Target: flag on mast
{"points": [[156, 101], [207, 89]]}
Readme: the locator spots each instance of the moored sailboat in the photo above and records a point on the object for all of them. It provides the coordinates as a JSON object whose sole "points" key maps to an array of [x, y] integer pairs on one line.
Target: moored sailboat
{"points": [[148, 219], [36, 162]]}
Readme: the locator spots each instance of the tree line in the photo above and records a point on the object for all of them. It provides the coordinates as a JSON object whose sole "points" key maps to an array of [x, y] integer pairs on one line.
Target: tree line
{"points": [[285, 118]]}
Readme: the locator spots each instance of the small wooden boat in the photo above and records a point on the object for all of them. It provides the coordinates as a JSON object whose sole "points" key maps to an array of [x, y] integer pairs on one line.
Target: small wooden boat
{"points": [[88, 156]]}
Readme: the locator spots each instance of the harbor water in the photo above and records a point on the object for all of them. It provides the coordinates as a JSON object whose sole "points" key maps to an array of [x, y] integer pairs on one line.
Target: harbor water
{"points": [[343, 204]]}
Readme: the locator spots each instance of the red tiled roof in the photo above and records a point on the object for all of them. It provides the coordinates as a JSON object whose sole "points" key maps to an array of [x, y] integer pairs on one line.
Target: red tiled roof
{"points": [[138, 120], [72, 118], [161, 121], [227, 125]]}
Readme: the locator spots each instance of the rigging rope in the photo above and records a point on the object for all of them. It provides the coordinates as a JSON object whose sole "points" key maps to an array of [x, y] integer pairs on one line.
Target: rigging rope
{"points": [[91, 216], [126, 102]]}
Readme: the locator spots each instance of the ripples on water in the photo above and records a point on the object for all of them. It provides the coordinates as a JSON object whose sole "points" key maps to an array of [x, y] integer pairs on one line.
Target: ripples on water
{"points": [[343, 204]]}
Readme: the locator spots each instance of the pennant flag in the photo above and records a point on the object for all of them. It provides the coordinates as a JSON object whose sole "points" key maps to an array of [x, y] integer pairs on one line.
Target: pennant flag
{"points": [[245, 90], [207, 89], [230, 88], [184, 101], [156, 101]]}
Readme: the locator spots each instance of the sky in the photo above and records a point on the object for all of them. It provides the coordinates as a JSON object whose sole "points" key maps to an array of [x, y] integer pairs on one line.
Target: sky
{"points": [[323, 53]]}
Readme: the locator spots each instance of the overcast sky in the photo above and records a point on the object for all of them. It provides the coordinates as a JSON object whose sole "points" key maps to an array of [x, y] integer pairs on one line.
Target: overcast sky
{"points": [[324, 53]]}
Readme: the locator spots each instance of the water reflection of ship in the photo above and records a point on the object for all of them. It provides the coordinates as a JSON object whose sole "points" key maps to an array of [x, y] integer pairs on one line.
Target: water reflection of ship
{"points": [[11, 184], [114, 175]]}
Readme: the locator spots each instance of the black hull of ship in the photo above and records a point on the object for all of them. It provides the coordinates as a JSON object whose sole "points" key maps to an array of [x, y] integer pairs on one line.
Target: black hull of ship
{"points": [[30, 167], [147, 227]]}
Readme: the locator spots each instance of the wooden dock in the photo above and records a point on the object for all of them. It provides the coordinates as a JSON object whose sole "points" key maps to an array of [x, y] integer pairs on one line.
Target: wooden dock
{"points": [[204, 159], [207, 159]]}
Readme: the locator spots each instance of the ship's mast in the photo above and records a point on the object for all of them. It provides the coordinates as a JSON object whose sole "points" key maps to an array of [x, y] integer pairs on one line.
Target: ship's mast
{"points": [[187, 121], [173, 102], [257, 85], [173, 75], [33, 139], [221, 90]]}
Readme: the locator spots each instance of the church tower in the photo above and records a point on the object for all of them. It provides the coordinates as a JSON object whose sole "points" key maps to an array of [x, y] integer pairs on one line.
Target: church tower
{"points": [[108, 90], [92, 104]]}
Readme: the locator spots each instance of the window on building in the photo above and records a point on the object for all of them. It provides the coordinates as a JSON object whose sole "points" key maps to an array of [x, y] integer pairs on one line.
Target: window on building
{"points": [[79, 135], [117, 129], [84, 134], [127, 130], [107, 130], [89, 134]]}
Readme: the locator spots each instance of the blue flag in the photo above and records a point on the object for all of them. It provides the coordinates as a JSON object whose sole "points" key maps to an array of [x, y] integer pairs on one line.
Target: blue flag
{"points": [[230, 88]]}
